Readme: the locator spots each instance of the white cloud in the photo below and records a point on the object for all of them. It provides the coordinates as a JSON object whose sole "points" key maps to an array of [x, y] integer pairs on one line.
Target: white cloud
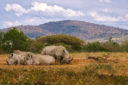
{"points": [[19, 10], [103, 18], [106, 1], [125, 18], [11, 23], [44, 9], [105, 10], [31, 20], [55, 10], [26, 21], [34, 21]]}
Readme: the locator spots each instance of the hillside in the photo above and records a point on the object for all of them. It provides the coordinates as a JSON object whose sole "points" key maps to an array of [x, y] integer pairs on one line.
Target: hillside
{"points": [[84, 30]]}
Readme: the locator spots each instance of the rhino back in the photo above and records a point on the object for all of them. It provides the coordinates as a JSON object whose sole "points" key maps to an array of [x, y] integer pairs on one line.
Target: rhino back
{"points": [[43, 59], [53, 50]]}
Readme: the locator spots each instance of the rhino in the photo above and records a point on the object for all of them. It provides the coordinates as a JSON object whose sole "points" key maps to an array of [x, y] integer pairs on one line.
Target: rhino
{"points": [[60, 53], [38, 59], [25, 54], [22, 52], [18, 57], [14, 59]]}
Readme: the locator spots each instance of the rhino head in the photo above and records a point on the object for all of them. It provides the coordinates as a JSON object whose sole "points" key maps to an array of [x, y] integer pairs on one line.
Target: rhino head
{"points": [[67, 60], [29, 60], [11, 60]]}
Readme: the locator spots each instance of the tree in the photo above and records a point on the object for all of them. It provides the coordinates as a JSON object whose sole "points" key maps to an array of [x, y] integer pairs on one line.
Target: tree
{"points": [[15, 40], [70, 42], [1, 37]]}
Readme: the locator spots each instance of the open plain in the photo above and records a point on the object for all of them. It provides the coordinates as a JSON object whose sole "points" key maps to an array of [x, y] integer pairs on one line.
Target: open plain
{"points": [[108, 69]]}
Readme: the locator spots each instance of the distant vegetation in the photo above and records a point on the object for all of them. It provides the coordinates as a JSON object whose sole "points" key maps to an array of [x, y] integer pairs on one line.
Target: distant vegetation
{"points": [[17, 40]]}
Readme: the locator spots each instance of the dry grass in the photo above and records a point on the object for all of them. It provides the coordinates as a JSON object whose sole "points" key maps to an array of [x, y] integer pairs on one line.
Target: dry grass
{"points": [[80, 61], [115, 67]]}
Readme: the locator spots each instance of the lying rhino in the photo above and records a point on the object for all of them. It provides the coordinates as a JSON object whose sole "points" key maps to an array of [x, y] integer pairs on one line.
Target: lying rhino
{"points": [[22, 53], [18, 57], [38, 59], [58, 52], [25, 54], [14, 59]]}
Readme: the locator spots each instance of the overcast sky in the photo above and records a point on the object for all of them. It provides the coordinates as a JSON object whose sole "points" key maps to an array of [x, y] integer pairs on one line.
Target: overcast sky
{"points": [[35, 12]]}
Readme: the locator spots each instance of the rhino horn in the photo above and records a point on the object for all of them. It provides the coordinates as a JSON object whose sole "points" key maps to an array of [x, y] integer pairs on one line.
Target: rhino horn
{"points": [[71, 58]]}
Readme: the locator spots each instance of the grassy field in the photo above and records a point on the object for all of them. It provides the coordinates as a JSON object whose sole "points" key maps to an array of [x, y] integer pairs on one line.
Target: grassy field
{"points": [[82, 71]]}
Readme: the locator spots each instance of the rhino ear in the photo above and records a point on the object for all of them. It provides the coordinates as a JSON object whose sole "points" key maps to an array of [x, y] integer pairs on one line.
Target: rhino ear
{"points": [[30, 56], [11, 54], [64, 51]]}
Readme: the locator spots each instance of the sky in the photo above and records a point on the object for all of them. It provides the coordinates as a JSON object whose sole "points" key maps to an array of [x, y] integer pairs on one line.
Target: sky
{"points": [[35, 12]]}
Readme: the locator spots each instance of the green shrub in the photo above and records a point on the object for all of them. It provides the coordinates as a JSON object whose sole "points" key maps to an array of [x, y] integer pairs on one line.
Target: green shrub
{"points": [[112, 46], [70, 42], [36, 46], [124, 45], [95, 47]]}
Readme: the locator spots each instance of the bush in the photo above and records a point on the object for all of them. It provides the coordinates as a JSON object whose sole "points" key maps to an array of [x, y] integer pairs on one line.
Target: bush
{"points": [[70, 42], [112, 46], [124, 45], [36, 46], [108, 46], [95, 47]]}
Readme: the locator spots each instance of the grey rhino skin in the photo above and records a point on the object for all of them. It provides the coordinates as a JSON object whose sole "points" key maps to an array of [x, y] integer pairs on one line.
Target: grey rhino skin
{"points": [[14, 59], [25, 54], [38, 59], [58, 52], [18, 57]]}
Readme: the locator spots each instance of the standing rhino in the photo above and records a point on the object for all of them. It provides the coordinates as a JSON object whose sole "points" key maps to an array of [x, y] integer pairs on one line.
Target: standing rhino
{"points": [[58, 52], [38, 59], [14, 59]]}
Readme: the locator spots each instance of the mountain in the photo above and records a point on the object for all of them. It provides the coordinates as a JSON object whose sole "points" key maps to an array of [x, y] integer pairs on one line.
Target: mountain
{"points": [[84, 30]]}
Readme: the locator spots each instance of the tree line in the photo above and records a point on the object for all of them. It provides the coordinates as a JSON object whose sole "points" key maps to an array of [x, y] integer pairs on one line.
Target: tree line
{"points": [[17, 40]]}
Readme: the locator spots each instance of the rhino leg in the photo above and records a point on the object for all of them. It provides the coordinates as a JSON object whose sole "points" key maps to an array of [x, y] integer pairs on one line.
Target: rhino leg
{"points": [[55, 60], [16, 63], [61, 58]]}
